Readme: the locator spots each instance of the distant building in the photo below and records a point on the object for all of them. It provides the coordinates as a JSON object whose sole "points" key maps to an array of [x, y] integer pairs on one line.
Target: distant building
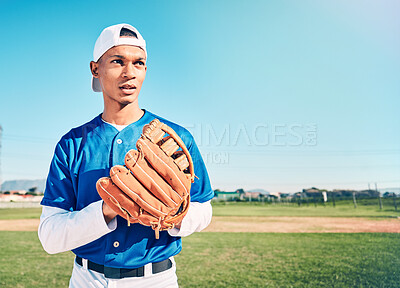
{"points": [[236, 195], [252, 195], [223, 195], [313, 192], [17, 192], [275, 195], [361, 193], [19, 196]]}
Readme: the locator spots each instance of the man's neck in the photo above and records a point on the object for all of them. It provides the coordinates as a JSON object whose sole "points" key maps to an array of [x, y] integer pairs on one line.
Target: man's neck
{"points": [[122, 116]]}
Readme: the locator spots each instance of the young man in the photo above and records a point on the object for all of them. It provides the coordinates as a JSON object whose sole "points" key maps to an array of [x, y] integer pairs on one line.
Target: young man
{"points": [[109, 253]]}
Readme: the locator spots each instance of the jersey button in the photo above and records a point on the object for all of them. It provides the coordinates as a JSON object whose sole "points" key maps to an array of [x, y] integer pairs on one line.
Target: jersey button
{"points": [[119, 141], [116, 244]]}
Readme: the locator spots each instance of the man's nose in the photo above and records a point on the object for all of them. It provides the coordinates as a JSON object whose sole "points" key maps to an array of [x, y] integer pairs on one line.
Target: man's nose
{"points": [[129, 71]]}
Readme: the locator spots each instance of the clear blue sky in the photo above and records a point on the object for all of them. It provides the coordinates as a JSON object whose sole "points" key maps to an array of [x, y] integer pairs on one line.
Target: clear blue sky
{"points": [[280, 95]]}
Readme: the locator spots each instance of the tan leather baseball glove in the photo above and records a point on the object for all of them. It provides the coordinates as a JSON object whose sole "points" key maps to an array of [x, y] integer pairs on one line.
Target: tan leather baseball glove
{"points": [[153, 188]]}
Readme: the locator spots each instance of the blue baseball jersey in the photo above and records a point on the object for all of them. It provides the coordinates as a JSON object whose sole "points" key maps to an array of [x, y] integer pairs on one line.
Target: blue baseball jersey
{"points": [[87, 153]]}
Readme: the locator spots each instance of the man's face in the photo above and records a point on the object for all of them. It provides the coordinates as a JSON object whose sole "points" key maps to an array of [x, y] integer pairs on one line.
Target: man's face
{"points": [[121, 72]]}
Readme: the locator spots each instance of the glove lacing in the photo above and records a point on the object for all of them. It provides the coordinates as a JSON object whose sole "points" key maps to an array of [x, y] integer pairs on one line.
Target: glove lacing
{"points": [[156, 227]]}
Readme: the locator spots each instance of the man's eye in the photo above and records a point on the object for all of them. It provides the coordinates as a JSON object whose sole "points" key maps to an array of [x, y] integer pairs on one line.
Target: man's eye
{"points": [[117, 61], [141, 63]]}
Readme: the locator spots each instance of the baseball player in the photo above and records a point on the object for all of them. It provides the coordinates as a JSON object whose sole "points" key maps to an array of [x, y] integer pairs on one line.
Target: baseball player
{"points": [[109, 253]]}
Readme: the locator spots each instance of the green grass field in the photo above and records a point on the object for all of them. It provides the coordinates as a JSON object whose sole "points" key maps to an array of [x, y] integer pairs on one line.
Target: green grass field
{"points": [[237, 259], [345, 209], [234, 260], [290, 260], [20, 213]]}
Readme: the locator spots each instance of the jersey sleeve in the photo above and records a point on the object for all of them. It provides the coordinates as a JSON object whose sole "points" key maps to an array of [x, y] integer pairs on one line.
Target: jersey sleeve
{"points": [[59, 191], [201, 190]]}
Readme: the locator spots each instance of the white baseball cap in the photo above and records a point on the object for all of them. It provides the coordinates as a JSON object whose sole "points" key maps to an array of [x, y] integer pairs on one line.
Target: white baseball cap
{"points": [[109, 38]]}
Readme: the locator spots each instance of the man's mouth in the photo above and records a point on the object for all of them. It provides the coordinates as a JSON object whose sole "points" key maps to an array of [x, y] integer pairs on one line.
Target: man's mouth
{"points": [[127, 88]]}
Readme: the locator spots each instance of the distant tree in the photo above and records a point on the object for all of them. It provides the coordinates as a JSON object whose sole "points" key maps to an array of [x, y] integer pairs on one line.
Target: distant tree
{"points": [[240, 191], [32, 191], [388, 195]]}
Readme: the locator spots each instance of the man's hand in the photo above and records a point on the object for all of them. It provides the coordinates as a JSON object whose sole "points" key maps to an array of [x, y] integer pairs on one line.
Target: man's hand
{"points": [[108, 213]]}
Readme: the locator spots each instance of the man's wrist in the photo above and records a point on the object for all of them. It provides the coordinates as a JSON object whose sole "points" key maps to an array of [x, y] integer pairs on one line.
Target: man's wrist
{"points": [[108, 213]]}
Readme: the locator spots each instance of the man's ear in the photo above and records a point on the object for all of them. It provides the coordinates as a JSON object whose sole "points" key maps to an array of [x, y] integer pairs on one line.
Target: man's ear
{"points": [[94, 67]]}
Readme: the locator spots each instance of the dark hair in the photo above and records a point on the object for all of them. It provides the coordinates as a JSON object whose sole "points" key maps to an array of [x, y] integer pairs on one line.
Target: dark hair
{"points": [[127, 32]]}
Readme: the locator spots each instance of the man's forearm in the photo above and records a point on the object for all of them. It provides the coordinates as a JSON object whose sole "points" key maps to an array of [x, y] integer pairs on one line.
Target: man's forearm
{"points": [[197, 218], [61, 230]]}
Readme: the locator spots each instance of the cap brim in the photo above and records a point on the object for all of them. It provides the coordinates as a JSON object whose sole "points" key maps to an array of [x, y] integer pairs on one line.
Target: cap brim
{"points": [[96, 85]]}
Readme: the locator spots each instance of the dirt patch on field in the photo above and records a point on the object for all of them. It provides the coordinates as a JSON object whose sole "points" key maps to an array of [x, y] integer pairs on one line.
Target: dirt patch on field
{"points": [[19, 225], [302, 224], [264, 224]]}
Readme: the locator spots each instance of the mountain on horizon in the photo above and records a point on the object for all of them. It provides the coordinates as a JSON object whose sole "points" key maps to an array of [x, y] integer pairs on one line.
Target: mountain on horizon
{"points": [[262, 191], [23, 185]]}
